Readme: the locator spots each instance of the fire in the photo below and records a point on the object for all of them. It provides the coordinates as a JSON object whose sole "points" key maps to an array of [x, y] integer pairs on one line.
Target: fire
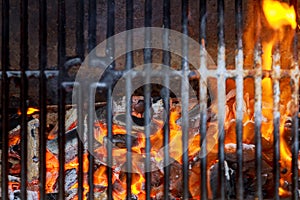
{"points": [[278, 16], [30, 111]]}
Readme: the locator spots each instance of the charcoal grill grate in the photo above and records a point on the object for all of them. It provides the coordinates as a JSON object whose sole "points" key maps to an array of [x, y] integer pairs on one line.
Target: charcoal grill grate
{"points": [[221, 73]]}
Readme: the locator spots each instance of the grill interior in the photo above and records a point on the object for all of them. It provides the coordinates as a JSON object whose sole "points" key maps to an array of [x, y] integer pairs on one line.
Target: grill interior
{"points": [[44, 44]]}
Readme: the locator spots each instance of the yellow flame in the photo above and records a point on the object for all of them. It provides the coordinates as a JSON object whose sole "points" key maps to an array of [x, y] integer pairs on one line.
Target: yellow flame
{"points": [[279, 14], [30, 111], [283, 192]]}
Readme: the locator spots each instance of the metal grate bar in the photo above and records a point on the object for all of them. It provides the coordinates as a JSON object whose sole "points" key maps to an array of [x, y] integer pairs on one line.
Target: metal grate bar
{"points": [[295, 120], [43, 95], [109, 144], [90, 139], [185, 99], [203, 99], [276, 120], [221, 98], [147, 94], [129, 65], [239, 97], [258, 118], [92, 22], [110, 51], [80, 28], [284, 73], [110, 46], [61, 96], [5, 98], [166, 97], [80, 137], [24, 94], [61, 144]]}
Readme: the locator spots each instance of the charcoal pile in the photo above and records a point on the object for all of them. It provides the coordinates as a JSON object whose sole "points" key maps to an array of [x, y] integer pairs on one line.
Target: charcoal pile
{"points": [[137, 136]]}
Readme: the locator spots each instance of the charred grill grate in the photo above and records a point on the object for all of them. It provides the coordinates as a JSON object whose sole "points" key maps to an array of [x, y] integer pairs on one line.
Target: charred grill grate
{"points": [[221, 73]]}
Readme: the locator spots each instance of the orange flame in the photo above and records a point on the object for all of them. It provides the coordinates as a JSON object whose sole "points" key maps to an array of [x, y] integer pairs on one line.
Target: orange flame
{"points": [[30, 110], [278, 15]]}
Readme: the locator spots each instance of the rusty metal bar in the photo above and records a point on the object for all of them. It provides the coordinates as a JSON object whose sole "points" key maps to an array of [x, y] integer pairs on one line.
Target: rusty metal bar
{"points": [[239, 97], [276, 121], [24, 94], [258, 119], [5, 98], [43, 95], [295, 119], [221, 98], [295, 127]]}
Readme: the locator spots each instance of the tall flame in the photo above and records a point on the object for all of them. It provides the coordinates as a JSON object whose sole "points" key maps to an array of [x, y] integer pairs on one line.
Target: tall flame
{"points": [[278, 15]]}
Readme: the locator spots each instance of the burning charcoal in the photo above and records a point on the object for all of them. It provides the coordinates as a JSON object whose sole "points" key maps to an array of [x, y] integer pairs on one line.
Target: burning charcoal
{"points": [[248, 152], [71, 145], [156, 178], [139, 107], [229, 181], [52, 196], [33, 153], [71, 179], [70, 123], [157, 192], [176, 179], [101, 195], [195, 179], [194, 117], [136, 127], [119, 140], [16, 195], [101, 114], [138, 120], [71, 194], [14, 166], [118, 187]]}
